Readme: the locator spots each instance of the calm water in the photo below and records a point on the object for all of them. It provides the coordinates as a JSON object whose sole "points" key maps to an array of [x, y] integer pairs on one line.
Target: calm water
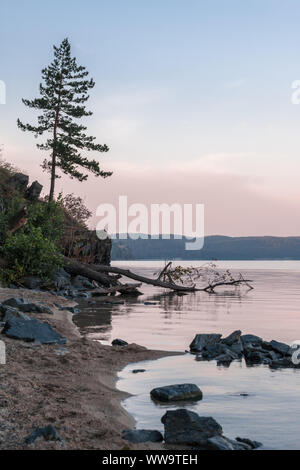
{"points": [[271, 411]]}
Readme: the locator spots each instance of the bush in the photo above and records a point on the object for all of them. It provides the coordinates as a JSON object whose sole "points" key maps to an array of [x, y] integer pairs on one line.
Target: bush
{"points": [[29, 254], [32, 250], [49, 217], [76, 208]]}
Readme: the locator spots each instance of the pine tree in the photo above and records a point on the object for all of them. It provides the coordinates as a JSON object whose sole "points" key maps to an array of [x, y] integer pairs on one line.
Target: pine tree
{"points": [[63, 94]]}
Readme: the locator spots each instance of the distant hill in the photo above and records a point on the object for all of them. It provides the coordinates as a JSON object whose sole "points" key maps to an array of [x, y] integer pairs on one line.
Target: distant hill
{"points": [[215, 247]]}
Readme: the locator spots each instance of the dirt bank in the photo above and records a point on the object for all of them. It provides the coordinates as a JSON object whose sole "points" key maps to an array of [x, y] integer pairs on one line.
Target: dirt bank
{"points": [[71, 387]]}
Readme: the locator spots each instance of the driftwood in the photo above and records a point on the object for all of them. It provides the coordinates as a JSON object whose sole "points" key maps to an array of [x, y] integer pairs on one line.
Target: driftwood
{"points": [[100, 273], [170, 285], [74, 267], [121, 288], [154, 282]]}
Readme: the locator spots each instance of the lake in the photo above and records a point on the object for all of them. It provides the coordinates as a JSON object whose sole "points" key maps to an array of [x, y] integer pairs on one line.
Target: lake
{"points": [[270, 411]]}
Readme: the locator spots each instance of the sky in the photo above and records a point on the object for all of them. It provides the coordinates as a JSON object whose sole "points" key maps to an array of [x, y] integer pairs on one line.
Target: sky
{"points": [[193, 97]]}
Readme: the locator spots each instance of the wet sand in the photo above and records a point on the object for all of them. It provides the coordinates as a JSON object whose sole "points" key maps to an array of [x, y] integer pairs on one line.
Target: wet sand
{"points": [[71, 387]]}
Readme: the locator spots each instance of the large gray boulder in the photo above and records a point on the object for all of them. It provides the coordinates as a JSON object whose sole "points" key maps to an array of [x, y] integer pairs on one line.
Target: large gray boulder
{"points": [[177, 392], [185, 427], [19, 181], [142, 435], [32, 330], [204, 339], [34, 191]]}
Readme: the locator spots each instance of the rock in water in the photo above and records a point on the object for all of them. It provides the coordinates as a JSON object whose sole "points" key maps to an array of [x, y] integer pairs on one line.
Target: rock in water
{"points": [[234, 337], [142, 435], [223, 443], [254, 340], [177, 392], [202, 340], [252, 444], [188, 428], [281, 348], [32, 330]]}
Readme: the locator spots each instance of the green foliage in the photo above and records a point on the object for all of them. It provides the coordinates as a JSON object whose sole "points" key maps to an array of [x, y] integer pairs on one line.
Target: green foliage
{"points": [[63, 94], [29, 254], [12, 205], [32, 250], [48, 217]]}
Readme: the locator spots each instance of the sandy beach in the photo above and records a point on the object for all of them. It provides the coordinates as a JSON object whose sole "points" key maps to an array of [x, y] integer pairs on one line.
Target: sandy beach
{"points": [[72, 387]]}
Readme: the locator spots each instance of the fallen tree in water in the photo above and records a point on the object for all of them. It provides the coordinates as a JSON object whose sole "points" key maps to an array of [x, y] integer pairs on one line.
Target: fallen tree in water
{"points": [[166, 277]]}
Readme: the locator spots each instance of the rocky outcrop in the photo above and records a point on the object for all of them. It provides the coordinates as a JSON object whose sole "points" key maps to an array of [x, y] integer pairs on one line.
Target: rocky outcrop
{"points": [[34, 191], [19, 181]]}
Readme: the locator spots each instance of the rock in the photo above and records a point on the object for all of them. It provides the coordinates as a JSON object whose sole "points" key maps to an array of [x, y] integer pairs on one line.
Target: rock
{"points": [[202, 340], [212, 351], [61, 279], [185, 427], [19, 181], [32, 282], [281, 348], [142, 435], [82, 282], [223, 443], [237, 348], [255, 357], [283, 362], [34, 191], [70, 309], [49, 433], [32, 330], [232, 338], [119, 342], [252, 444], [224, 359], [177, 392], [255, 340], [138, 371], [24, 306], [12, 313]]}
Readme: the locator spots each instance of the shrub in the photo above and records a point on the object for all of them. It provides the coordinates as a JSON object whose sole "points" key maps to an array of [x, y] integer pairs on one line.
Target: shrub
{"points": [[29, 254], [33, 249]]}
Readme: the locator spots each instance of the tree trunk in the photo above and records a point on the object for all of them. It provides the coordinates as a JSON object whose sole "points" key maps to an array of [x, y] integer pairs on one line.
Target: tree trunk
{"points": [[74, 267]]}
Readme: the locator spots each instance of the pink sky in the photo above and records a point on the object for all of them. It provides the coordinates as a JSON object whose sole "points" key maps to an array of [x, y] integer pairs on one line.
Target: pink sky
{"points": [[235, 204]]}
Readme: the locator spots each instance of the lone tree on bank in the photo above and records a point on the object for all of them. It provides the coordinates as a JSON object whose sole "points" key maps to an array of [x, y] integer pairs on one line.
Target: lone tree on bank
{"points": [[62, 96]]}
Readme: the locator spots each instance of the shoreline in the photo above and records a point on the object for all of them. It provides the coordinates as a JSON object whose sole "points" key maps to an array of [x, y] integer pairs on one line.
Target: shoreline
{"points": [[71, 387]]}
